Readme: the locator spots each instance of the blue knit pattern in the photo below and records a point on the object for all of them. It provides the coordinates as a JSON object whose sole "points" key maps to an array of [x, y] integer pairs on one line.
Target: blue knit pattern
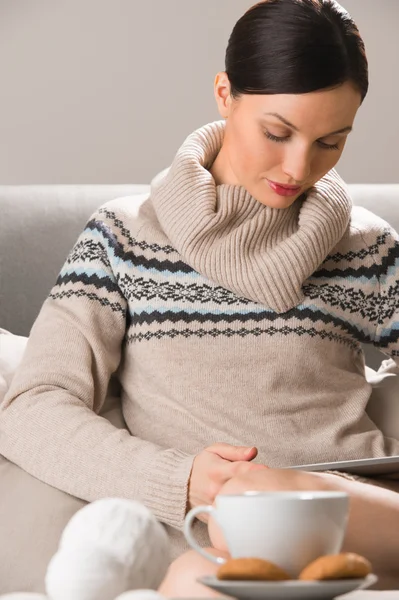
{"points": [[352, 298]]}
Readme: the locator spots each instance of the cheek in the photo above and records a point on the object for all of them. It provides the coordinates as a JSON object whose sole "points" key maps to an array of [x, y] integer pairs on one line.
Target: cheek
{"points": [[324, 161], [256, 156]]}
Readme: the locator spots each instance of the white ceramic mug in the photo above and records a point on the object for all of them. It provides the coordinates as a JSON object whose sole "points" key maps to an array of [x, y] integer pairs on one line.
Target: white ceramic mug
{"points": [[290, 529]]}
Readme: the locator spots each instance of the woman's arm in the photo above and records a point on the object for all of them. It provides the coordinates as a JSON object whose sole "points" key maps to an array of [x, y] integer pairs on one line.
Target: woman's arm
{"points": [[49, 423]]}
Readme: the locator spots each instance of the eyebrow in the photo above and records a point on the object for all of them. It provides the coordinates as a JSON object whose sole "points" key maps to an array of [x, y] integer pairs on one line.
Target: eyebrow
{"points": [[283, 120]]}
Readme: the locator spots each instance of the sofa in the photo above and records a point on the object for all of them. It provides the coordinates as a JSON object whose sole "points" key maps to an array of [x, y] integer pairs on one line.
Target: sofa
{"points": [[38, 226]]}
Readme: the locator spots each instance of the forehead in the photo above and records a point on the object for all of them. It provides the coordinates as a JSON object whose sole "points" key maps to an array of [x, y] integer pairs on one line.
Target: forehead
{"points": [[317, 112]]}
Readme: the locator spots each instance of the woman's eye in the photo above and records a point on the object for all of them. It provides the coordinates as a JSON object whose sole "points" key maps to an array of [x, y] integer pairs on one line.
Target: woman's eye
{"points": [[275, 138], [328, 146]]}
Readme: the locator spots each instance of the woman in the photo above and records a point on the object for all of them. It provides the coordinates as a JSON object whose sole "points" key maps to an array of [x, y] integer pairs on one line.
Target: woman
{"points": [[231, 304]]}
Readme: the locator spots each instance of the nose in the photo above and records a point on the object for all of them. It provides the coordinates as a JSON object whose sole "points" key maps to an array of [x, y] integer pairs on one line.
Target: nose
{"points": [[297, 164]]}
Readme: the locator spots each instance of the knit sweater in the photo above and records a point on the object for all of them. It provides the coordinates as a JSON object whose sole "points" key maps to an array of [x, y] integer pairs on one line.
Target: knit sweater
{"points": [[223, 319]]}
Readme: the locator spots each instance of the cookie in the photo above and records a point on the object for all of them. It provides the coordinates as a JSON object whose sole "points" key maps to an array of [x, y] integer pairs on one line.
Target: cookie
{"points": [[251, 569], [347, 565]]}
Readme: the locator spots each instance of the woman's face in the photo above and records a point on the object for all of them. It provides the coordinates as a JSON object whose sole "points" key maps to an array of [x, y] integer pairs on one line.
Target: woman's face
{"points": [[287, 139]]}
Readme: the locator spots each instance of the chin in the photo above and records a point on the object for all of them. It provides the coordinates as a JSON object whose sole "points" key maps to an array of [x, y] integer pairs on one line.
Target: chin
{"points": [[276, 201]]}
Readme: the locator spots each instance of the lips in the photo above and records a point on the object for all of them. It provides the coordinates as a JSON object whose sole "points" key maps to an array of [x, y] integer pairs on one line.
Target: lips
{"points": [[286, 187], [284, 190]]}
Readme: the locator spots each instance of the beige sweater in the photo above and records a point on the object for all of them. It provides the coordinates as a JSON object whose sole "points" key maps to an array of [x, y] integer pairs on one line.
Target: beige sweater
{"points": [[224, 320]]}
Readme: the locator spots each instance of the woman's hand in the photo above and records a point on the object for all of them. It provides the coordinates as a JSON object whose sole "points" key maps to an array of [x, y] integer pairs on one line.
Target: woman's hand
{"points": [[215, 466]]}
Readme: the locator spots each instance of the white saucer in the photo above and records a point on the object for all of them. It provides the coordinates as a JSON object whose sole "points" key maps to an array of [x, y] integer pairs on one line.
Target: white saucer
{"points": [[289, 590]]}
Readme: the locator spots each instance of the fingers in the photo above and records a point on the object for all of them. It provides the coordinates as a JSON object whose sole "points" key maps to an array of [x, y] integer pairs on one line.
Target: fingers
{"points": [[233, 453], [256, 467], [214, 467], [229, 470]]}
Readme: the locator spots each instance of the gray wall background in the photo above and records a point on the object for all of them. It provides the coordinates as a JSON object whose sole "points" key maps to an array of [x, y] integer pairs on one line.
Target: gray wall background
{"points": [[105, 91]]}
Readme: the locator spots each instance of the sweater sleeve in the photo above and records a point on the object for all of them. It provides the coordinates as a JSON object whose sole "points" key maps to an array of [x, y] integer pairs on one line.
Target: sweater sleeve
{"points": [[387, 306], [49, 422]]}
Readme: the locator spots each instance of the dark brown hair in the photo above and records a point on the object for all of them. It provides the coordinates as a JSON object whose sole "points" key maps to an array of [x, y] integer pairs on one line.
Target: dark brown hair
{"points": [[294, 47]]}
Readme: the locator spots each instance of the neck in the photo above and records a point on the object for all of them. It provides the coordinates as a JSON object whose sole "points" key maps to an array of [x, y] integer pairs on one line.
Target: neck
{"points": [[221, 170]]}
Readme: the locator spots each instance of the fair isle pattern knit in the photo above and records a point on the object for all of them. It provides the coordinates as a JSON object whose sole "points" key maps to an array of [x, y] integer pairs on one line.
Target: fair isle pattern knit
{"points": [[224, 320], [171, 307]]}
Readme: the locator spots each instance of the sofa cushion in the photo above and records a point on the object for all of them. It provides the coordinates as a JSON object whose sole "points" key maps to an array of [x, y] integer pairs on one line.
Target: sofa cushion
{"points": [[383, 406], [11, 350], [32, 518], [33, 514]]}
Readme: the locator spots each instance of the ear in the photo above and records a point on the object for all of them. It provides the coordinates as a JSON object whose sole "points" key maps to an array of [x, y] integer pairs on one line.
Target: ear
{"points": [[222, 93]]}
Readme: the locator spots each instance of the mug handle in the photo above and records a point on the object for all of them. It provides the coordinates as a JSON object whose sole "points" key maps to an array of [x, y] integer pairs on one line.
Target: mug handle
{"points": [[190, 538]]}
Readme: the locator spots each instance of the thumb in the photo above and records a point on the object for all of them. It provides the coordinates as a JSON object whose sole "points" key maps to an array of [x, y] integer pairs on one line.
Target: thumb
{"points": [[233, 453]]}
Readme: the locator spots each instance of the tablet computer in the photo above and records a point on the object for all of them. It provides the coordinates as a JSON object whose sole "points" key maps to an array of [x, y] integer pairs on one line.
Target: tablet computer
{"points": [[386, 465]]}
